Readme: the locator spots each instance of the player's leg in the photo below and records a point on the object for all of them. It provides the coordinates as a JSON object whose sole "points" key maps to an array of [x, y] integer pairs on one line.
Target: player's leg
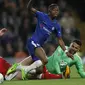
{"points": [[43, 60], [37, 54], [4, 66], [24, 68], [48, 75], [51, 76], [36, 51], [17, 75], [19, 66], [27, 61], [40, 53], [33, 70]]}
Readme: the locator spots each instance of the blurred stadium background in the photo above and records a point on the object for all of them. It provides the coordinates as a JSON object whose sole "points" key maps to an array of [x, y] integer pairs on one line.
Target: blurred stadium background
{"points": [[20, 24]]}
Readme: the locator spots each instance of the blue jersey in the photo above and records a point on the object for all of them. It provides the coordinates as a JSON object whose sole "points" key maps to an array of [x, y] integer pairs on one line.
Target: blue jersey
{"points": [[45, 26]]}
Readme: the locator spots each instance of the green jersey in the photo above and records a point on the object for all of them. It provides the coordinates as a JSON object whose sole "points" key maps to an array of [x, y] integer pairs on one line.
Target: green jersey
{"points": [[58, 61]]}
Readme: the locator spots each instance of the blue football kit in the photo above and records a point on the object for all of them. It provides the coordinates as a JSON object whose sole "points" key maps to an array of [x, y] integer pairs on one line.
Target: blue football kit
{"points": [[45, 26]]}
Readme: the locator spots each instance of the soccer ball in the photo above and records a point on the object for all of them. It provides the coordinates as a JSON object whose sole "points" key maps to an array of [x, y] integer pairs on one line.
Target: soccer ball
{"points": [[1, 78]]}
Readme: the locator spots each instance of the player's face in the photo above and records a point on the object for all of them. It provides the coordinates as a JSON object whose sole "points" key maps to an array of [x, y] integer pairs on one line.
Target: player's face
{"points": [[74, 47], [54, 12]]}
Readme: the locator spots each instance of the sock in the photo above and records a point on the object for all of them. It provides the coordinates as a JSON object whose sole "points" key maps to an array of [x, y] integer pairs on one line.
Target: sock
{"points": [[35, 65], [51, 76], [48, 75], [44, 69]]}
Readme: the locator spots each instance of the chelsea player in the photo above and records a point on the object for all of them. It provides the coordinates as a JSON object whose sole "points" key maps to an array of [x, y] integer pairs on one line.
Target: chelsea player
{"points": [[46, 24]]}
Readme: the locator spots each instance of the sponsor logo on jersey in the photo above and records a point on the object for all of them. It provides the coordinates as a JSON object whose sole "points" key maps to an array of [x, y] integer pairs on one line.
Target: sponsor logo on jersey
{"points": [[47, 30]]}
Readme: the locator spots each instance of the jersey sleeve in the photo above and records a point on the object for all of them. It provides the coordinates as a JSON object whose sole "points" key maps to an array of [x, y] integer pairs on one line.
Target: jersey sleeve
{"points": [[58, 30], [79, 66], [39, 14]]}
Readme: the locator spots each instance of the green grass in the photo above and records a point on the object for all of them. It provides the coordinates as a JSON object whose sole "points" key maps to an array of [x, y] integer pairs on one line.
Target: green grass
{"points": [[47, 82], [74, 80]]}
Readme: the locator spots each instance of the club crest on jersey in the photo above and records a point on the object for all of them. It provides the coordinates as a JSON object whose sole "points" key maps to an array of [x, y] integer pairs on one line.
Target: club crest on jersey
{"points": [[53, 28]]}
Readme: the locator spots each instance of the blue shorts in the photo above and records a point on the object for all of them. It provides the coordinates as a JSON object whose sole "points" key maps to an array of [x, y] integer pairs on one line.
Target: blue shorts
{"points": [[31, 45]]}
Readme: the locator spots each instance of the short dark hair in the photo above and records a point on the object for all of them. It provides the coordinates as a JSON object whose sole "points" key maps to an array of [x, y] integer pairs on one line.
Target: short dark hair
{"points": [[52, 6], [78, 42]]}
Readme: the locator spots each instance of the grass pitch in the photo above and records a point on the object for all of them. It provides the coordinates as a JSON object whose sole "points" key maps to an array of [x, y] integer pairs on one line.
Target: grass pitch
{"points": [[74, 80]]}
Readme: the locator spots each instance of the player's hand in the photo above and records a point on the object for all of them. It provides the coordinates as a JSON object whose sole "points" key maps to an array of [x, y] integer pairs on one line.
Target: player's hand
{"points": [[3, 31], [69, 55]]}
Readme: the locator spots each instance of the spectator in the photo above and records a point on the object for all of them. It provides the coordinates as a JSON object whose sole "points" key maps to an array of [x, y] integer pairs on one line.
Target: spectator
{"points": [[70, 32]]}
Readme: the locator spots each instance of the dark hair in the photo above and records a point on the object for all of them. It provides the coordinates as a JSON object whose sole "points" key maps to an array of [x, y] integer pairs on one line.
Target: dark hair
{"points": [[78, 42], [52, 6]]}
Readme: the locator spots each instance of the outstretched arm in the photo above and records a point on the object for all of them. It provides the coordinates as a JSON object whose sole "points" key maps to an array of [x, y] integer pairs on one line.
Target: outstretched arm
{"points": [[30, 8], [61, 42], [62, 45], [80, 68]]}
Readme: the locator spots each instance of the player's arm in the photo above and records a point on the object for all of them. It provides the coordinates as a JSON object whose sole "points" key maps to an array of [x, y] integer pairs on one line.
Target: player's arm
{"points": [[60, 40], [61, 43], [30, 8], [80, 68], [59, 36], [3, 31]]}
